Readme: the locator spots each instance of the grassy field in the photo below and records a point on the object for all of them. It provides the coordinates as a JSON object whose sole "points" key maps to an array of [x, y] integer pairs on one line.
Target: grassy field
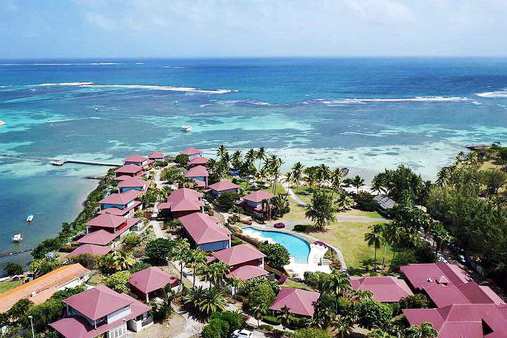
{"points": [[292, 284], [6, 286]]}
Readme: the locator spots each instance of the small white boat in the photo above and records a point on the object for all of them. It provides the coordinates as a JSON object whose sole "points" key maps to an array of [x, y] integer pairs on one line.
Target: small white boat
{"points": [[186, 128], [29, 218], [2, 123], [17, 238]]}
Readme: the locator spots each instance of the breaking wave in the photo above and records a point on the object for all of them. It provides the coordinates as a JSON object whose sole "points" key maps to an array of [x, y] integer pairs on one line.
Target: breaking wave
{"points": [[396, 100], [499, 94]]}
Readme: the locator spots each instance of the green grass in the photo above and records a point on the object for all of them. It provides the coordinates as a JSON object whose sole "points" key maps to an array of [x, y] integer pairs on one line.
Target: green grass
{"points": [[349, 238], [360, 213], [296, 285], [7, 285]]}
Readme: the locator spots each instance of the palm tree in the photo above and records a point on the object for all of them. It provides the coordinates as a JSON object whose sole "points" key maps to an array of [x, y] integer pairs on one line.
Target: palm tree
{"points": [[357, 182], [297, 173], [260, 155], [196, 257], [221, 151], [320, 210], [218, 272], [236, 284], [379, 333], [122, 260], [212, 301], [338, 284], [259, 310], [236, 159], [344, 325], [250, 156], [374, 238], [336, 177], [180, 252], [344, 201], [274, 163], [322, 174], [285, 315], [424, 330], [206, 273]]}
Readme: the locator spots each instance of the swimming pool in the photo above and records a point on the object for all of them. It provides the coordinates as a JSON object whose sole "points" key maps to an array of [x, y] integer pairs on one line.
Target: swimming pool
{"points": [[297, 247]]}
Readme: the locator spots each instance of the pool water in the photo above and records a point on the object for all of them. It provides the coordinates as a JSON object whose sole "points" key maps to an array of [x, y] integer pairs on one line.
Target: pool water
{"points": [[297, 247]]}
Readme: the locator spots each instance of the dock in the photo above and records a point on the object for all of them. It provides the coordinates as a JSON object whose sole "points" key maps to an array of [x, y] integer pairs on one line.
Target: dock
{"points": [[59, 162]]}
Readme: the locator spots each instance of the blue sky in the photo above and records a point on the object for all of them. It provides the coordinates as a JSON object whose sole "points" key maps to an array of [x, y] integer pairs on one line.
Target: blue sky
{"points": [[235, 28]]}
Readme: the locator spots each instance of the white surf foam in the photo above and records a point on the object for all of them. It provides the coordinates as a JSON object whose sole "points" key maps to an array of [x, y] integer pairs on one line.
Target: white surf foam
{"points": [[62, 64], [66, 84], [396, 100], [499, 94]]}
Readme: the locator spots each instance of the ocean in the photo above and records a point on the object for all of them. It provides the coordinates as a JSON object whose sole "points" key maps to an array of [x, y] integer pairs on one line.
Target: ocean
{"points": [[364, 114]]}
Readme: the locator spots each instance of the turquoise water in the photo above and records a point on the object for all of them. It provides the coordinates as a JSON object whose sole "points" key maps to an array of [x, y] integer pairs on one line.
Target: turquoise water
{"points": [[297, 247]]}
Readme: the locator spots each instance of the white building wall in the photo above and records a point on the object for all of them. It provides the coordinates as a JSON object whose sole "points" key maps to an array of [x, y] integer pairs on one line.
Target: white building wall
{"points": [[118, 314]]}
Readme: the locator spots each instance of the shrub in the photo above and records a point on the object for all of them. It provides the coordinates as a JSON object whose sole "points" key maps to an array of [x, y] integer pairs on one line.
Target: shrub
{"points": [[233, 319], [216, 328], [132, 240], [364, 201], [118, 281], [236, 241], [182, 159], [87, 260], [266, 327], [299, 322], [373, 314], [158, 249], [276, 255], [300, 227], [271, 320], [310, 333], [416, 301], [138, 266], [227, 200], [13, 269], [261, 295]]}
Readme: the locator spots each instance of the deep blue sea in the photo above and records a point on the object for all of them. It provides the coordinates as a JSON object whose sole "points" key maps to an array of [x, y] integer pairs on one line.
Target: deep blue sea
{"points": [[365, 114]]}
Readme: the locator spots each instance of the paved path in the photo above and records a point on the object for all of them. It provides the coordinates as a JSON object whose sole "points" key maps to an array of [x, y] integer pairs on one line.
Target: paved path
{"points": [[293, 195], [156, 229]]}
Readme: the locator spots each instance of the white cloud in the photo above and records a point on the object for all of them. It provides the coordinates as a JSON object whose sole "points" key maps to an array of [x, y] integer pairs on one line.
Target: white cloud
{"points": [[381, 11]]}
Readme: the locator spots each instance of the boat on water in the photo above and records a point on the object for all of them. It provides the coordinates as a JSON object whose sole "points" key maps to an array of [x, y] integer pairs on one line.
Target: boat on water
{"points": [[2, 123], [29, 218], [186, 128], [17, 238]]}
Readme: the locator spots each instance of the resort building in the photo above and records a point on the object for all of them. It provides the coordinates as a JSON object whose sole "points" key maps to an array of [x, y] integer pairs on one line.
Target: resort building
{"points": [[205, 232], [156, 156], [41, 289], [133, 183], [191, 152], [244, 261], [130, 170], [103, 312], [252, 203], [384, 202], [108, 222], [90, 249], [299, 302], [220, 187], [124, 204], [151, 281], [136, 160], [111, 236], [183, 202], [463, 320], [199, 174], [198, 160], [384, 289]]}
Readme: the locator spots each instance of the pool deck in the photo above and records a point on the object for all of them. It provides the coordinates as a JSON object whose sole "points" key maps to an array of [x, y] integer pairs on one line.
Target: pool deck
{"points": [[313, 258]]}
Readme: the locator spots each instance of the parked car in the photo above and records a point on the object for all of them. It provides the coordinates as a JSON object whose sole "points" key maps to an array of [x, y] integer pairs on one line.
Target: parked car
{"points": [[279, 225], [242, 334]]}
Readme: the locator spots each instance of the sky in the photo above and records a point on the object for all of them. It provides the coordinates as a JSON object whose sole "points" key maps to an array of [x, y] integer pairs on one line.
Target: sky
{"points": [[251, 28]]}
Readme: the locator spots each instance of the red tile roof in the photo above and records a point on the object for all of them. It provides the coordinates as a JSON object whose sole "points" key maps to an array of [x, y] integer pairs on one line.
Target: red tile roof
{"points": [[122, 177], [135, 158], [41, 289], [129, 169], [258, 196], [384, 289], [96, 303], [123, 198], [199, 160], [99, 237], [155, 155], [120, 212], [238, 254], [132, 182], [106, 221], [190, 151], [247, 272], [183, 200], [462, 321], [469, 293], [151, 279], [223, 186], [91, 249], [299, 302], [197, 171], [422, 276], [204, 229]]}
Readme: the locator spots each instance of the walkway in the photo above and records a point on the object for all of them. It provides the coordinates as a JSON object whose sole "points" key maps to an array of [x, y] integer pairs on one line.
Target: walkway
{"points": [[293, 195]]}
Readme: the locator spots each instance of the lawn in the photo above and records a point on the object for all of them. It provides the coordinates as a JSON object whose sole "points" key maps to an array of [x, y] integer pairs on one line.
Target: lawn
{"points": [[349, 238], [7, 285], [355, 212], [296, 285], [296, 212]]}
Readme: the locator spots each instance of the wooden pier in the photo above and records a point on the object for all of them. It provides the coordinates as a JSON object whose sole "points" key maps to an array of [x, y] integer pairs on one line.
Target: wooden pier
{"points": [[59, 162]]}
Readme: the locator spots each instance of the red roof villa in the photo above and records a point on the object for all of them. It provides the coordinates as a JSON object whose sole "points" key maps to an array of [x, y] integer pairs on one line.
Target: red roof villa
{"points": [[199, 174], [299, 302], [223, 186], [245, 258], [183, 202], [112, 235], [198, 160], [156, 156], [131, 170], [150, 280], [102, 311], [133, 183], [384, 289], [206, 232], [124, 204], [191, 152], [253, 202], [90, 249], [136, 160]]}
